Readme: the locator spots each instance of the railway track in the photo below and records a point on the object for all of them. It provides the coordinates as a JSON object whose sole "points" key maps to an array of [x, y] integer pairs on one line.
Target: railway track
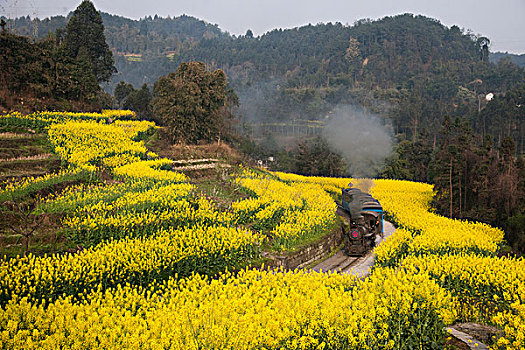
{"points": [[343, 263]]}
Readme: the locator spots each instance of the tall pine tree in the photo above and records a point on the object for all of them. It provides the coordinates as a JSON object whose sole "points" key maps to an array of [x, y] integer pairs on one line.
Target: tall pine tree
{"points": [[85, 36]]}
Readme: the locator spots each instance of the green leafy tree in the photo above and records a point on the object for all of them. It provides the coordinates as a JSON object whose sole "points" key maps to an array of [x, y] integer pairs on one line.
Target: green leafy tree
{"points": [[508, 176], [84, 35], [504, 116], [20, 63], [188, 102], [410, 160], [122, 90], [74, 77], [314, 157], [451, 170], [397, 166], [139, 101]]}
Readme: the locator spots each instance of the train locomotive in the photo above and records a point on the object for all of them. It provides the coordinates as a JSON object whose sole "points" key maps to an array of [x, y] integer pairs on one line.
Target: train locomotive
{"points": [[361, 220]]}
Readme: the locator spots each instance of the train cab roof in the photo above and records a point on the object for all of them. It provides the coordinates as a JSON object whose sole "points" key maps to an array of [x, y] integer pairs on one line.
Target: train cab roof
{"points": [[357, 202]]}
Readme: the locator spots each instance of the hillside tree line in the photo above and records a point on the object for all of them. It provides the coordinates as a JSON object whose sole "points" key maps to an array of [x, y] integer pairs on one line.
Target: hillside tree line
{"points": [[61, 71]]}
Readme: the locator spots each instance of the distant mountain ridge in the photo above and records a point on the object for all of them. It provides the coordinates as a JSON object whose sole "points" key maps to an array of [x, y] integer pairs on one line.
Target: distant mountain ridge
{"points": [[518, 60], [143, 33], [153, 46]]}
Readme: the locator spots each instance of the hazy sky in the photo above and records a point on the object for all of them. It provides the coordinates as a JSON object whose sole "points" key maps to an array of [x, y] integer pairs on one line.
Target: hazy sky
{"points": [[502, 21]]}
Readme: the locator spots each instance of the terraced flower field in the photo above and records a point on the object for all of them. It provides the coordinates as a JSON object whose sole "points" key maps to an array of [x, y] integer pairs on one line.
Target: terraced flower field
{"points": [[163, 266]]}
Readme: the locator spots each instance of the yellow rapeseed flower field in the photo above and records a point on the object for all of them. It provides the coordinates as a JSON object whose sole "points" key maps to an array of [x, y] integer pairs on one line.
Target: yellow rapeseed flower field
{"points": [[291, 212], [149, 276], [251, 310]]}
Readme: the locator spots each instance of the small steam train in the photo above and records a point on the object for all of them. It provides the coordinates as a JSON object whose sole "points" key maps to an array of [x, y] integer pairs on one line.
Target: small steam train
{"points": [[362, 220]]}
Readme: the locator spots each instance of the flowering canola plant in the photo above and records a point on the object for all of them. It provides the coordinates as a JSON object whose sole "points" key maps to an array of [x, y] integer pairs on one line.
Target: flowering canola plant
{"points": [[148, 226], [13, 189], [144, 282], [333, 185], [408, 205], [134, 129], [291, 212], [149, 170], [253, 309], [131, 260], [459, 255], [83, 144], [41, 120]]}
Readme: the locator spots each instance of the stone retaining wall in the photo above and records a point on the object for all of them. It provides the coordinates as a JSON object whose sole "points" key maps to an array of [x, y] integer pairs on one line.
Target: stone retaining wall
{"points": [[307, 255]]}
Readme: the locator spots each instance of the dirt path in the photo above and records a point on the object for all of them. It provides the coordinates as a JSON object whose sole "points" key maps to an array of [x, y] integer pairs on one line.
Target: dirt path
{"points": [[351, 264]]}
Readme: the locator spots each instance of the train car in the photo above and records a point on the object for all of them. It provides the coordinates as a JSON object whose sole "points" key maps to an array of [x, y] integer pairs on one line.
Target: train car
{"points": [[361, 220]]}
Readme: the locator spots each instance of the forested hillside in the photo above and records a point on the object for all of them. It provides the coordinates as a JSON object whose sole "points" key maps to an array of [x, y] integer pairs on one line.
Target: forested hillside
{"points": [[146, 36], [411, 68]]}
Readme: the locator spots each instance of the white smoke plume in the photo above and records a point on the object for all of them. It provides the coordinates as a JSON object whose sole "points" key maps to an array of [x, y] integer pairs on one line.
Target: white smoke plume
{"points": [[361, 138]]}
